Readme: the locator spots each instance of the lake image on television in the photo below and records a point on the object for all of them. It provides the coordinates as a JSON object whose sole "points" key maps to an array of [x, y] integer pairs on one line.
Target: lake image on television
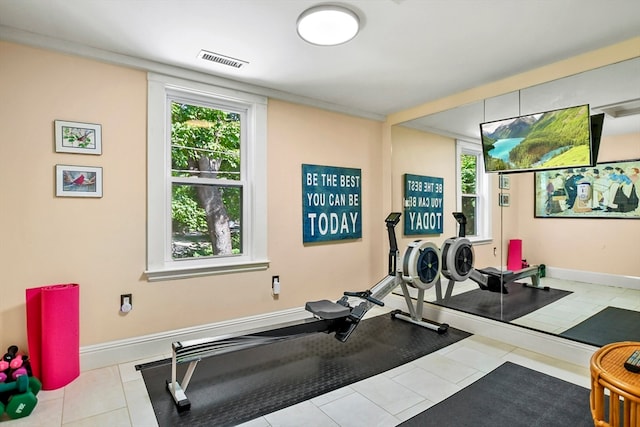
{"points": [[550, 140]]}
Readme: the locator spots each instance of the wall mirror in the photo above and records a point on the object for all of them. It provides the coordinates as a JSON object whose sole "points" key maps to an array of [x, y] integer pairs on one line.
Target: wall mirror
{"points": [[591, 266]]}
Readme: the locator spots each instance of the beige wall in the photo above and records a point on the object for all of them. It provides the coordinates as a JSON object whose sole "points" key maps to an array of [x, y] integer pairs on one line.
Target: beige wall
{"points": [[300, 135], [571, 244], [597, 245], [100, 243], [423, 153]]}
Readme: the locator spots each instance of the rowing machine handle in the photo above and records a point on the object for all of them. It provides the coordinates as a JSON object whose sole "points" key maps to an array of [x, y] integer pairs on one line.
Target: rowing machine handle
{"points": [[365, 295], [375, 301]]}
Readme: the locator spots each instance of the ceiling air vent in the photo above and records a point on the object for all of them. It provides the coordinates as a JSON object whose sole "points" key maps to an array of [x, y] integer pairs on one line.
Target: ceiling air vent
{"points": [[221, 59], [630, 107]]}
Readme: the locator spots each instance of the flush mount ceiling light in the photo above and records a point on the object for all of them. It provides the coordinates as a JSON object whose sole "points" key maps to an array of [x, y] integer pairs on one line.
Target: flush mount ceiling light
{"points": [[328, 25]]}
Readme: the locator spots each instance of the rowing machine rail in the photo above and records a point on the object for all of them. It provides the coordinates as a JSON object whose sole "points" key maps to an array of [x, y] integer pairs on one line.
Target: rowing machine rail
{"points": [[422, 265]]}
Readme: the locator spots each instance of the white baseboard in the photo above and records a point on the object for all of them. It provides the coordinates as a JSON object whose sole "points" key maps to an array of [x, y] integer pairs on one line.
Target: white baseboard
{"points": [[147, 346], [606, 279], [519, 336], [159, 345]]}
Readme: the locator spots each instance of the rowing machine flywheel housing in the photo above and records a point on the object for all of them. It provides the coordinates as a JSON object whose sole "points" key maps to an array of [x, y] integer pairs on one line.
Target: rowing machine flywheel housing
{"points": [[421, 264], [457, 259]]}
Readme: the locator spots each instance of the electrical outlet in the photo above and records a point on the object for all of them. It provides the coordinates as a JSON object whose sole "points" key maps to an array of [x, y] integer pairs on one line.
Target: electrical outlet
{"points": [[275, 285], [126, 303]]}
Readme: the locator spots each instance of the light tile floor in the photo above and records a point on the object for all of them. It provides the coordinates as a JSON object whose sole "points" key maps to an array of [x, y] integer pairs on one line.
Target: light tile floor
{"points": [[116, 395], [585, 300]]}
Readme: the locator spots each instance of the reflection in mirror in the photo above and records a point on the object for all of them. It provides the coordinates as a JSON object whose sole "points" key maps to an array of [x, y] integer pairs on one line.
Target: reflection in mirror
{"points": [[580, 275]]}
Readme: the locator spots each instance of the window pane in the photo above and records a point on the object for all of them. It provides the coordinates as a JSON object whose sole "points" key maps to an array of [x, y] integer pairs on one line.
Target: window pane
{"points": [[205, 221], [468, 171], [205, 142], [469, 210]]}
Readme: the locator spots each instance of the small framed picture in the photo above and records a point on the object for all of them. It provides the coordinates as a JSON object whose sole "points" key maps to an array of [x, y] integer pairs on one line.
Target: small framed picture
{"points": [[504, 199], [503, 182], [78, 181], [74, 137]]}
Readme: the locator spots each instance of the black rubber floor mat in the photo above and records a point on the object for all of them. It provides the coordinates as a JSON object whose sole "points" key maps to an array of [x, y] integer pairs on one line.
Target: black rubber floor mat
{"points": [[233, 388], [521, 300], [514, 396], [611, 324]]}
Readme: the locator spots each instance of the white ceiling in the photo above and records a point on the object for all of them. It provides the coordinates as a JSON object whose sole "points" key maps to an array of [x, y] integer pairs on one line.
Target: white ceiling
{"points": [[408, 52]]}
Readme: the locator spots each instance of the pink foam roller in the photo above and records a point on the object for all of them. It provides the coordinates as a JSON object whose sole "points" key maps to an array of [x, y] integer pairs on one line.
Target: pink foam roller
{"points": [[53, 334]]}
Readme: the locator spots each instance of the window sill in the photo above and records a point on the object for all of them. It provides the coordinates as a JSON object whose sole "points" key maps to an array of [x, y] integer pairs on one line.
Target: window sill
{"points": [[173, 273], [480, 240]]}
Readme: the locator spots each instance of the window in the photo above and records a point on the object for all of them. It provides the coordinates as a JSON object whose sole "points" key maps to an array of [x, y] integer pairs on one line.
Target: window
{"points": [[206, 180], [473, 190]]}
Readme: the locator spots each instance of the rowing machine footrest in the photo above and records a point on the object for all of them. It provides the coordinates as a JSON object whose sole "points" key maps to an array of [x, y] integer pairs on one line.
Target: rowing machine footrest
{"points": [[349, 324], [496, 279], [179, 397], [326, 309], [183, 405], [494, 284]]}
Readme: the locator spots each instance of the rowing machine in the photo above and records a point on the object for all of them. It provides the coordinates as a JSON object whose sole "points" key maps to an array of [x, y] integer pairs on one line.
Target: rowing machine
{"points": [[421, 270], [458, 266]]}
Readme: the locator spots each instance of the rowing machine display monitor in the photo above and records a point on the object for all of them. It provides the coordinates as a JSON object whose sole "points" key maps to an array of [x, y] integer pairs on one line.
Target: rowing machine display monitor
{"points": [[393, 219]]}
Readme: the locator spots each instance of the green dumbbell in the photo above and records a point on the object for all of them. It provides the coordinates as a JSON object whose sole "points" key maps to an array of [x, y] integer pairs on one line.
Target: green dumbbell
{"points": [[21, 405], [20, 385], [22, 400], [35, 385]]}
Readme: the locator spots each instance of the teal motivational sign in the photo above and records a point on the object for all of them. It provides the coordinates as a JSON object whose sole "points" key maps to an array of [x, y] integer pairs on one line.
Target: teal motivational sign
{"points": [[331, 203], [423, 196]]}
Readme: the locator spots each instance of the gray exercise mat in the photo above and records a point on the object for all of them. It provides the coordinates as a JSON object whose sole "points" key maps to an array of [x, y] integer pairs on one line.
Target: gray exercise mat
{"points": [[612, 324], [233, 388], [520, 301], [513, 396]]}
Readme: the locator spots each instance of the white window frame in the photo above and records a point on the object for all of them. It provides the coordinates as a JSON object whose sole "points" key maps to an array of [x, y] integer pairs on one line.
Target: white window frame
{"points": [[160, 265], [483, 201]]}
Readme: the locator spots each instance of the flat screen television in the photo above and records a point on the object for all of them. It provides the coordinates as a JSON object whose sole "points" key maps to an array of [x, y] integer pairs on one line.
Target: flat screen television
{"points": [[557, 139]]}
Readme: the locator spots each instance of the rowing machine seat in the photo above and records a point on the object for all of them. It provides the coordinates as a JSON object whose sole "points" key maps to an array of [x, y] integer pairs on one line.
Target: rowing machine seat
{"points": [[326, 309], [492, 271]]}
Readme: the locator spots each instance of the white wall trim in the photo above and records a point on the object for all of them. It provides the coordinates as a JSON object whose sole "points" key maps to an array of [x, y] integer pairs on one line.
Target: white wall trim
{"points": [[519, 336], [35, 40], [159, 345], [606, 279]]}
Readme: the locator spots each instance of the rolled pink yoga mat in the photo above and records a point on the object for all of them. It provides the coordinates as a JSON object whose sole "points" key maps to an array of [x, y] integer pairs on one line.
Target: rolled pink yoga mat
{"points": [[514, 256], [53, 333]]}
